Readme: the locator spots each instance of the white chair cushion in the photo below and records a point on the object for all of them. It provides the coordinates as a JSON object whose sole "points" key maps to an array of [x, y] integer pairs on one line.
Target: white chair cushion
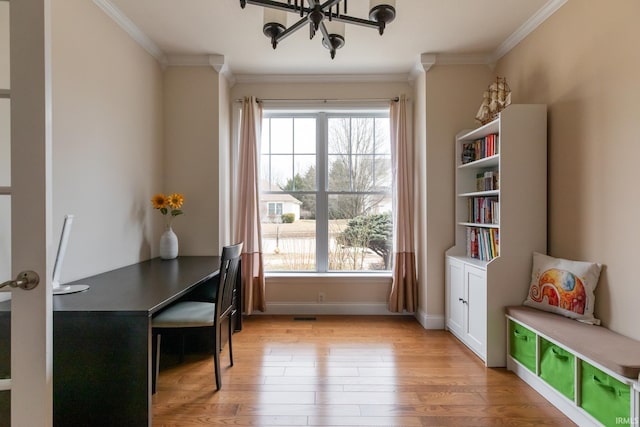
{"points": [[185, 314]]}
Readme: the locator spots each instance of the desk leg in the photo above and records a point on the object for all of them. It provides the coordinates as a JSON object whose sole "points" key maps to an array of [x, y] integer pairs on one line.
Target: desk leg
{"points": [[102, 369], [238, 301]]}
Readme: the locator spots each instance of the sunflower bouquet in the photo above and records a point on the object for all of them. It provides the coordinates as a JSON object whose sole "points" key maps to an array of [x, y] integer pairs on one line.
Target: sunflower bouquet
{"points": [[170, 204]]}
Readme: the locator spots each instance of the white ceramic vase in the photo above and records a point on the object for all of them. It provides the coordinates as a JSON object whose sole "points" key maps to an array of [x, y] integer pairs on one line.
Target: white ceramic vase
{"points": [[168, 244]]}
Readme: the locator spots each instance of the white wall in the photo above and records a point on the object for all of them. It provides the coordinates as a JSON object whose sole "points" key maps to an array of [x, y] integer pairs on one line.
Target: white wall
{"points": [[420, 189], [453, 96], [191, 164], [583, 63], [225, 177], [107, 140], [449, 96]]}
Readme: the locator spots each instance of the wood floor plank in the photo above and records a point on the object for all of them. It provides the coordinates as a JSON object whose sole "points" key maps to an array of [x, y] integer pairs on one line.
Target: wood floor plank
{"points": [[345, 371], [343, 410]]}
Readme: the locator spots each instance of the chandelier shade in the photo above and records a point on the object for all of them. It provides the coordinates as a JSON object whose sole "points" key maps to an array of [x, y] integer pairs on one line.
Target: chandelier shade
{"points": [[329, 18]]}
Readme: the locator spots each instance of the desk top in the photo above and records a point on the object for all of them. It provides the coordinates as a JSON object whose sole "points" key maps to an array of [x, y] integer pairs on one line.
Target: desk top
{"points": [[145, 287]]}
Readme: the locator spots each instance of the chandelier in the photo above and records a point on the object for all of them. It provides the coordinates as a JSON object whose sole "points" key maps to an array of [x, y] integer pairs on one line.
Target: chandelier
{"points": [[325, 17]]}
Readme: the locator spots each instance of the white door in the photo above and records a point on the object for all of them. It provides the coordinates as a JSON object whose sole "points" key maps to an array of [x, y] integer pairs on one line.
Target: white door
{"points": [[25, 203]]}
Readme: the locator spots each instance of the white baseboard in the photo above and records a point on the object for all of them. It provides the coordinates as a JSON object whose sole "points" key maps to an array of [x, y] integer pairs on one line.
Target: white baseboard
{"points": [[328, 308], [355, 309], [429, 321]]}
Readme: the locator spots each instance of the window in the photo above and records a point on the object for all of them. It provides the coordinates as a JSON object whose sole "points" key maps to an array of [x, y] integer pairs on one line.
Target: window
{"points": [[275, 209], [326, 202]]}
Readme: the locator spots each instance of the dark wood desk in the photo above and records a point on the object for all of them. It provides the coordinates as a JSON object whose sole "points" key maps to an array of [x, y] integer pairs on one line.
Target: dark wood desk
{"points": [[102, 340]]}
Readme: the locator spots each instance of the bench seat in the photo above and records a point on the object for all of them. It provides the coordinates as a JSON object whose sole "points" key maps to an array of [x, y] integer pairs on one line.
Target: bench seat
{"points": [[610, 349], [590, 373]]}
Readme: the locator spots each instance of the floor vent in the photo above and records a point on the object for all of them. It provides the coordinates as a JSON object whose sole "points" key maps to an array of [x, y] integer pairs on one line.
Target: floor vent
{"points": [[304, 318]]}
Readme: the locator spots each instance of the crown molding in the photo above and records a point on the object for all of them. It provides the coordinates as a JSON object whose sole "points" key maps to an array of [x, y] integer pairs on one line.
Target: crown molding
{"points": [[130, 28], [462, 59], [215, 61], [423, 64], [321, 78], [427, 60], [527, 28]]}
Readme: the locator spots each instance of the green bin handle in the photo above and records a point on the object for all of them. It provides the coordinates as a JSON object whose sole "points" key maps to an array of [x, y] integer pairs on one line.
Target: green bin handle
{"points": [[607, 387], [520, 335], [559, 355]]}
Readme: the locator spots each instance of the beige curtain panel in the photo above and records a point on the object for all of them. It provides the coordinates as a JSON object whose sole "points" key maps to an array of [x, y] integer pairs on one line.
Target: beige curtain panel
{"points": [[248, 231], [404, 289]]}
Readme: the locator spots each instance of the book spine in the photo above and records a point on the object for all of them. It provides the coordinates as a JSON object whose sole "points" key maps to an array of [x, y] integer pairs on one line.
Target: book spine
{"points": [[479, 148], [482, 243]]}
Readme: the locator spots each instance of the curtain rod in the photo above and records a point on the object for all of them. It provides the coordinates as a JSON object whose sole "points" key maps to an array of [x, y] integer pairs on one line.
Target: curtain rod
{"points": [[324, 100]]}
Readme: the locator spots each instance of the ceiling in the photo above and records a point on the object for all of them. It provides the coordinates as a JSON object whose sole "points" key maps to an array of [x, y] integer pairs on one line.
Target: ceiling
{"points": [[477, 31]]}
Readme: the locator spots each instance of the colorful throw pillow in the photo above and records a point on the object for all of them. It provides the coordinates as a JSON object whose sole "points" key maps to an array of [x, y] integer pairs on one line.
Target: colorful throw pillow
{"points": [[564, 287]]}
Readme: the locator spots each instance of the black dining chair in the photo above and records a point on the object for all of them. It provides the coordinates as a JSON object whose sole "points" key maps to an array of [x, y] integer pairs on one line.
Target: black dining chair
{"points": [[210, 311]]}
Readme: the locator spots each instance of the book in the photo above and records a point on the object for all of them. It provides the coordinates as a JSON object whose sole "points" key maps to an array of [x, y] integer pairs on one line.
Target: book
{"points": [[479, 148], [483, 243]]}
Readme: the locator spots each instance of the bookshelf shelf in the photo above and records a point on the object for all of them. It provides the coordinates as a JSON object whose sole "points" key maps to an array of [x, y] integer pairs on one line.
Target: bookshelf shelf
{"points": [[473, 261], [480, 193], [477, 224], [500, 219], [484, 162]]}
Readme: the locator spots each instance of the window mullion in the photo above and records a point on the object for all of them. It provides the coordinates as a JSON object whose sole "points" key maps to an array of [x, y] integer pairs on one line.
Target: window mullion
{"points": [[322, 202]]}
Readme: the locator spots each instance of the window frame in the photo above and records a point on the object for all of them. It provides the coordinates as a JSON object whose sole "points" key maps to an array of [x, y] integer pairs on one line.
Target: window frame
{"points": [[322, 191]]}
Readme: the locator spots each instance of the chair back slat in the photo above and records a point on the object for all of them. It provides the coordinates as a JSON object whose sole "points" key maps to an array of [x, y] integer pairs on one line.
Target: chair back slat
{"points": [[229, 267]]}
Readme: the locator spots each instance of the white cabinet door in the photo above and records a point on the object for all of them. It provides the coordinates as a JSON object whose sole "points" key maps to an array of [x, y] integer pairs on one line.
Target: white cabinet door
{"points": [[455, 287], [476, 304], [466, 292]]}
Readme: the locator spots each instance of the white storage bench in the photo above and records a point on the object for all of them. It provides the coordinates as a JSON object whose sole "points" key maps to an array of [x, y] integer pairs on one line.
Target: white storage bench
{"points": [[590, 373]]}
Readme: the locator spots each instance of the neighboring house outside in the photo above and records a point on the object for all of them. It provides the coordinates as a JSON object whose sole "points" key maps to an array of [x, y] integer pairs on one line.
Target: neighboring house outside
{"points": [[384, 206], [272, 206]]}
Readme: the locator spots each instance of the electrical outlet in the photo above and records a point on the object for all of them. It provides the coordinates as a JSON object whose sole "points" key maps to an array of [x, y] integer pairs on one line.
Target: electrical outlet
{"points": [[320, 296]]}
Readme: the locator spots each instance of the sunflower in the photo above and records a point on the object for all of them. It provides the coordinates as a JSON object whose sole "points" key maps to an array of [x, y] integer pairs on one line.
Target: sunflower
{"points": [[160, 201], [170, 204], [175, 200]]}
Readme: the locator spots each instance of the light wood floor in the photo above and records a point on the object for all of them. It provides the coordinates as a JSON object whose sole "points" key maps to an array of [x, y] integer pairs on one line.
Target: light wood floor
{"points": [[346, 371]]}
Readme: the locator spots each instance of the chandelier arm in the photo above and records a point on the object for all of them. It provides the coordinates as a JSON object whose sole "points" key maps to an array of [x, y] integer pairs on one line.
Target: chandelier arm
{"points": [[357, 21], [327, 39], [292, 29], [324, 31]]}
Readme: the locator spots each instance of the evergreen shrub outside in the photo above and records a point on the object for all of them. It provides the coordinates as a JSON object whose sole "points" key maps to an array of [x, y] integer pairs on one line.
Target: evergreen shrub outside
{"points": [[288, 218]]}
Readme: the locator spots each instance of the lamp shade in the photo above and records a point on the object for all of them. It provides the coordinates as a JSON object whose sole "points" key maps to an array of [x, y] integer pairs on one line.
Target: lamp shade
{"points": [[335, 27], [275, 16], [374, 3]]}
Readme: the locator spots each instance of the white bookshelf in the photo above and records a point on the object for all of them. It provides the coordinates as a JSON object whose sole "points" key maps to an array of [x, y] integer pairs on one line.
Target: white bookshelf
{"points": [[478, 290]]}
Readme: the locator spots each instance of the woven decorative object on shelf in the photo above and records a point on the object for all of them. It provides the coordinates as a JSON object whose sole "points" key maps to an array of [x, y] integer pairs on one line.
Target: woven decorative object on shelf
{"points": [[495, 99]]}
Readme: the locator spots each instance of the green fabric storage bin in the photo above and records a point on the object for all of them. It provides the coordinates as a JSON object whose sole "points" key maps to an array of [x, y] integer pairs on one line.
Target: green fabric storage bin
{"points": [[557, 368], [604, 397], [522, 345]]}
